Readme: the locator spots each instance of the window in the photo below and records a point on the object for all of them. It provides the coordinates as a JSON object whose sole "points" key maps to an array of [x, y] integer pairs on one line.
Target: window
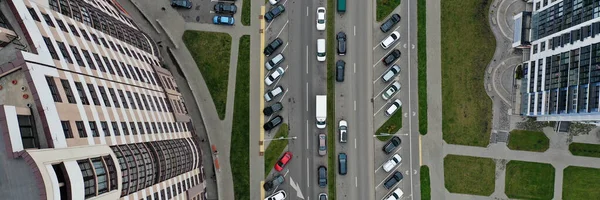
{"points": [[63, 50], [53, 89], [104, 96], [100, 175], [81, 129], [77, 56], [94, 129], [157, 104], [154, 130], [51, 49], [104, 126], [151, 103], [85, 35], [164, 124], [124, 128], [114, 97], [117, 68], [48, 19], [88, 59], [131, 101], [67, 129], [125, 70], [95, 38], [89, 180], [61, 25], [82, 95], [141, 127], [148, 130], [145, 101], [137, 98], [64, 8], [99, 62], [115, 128], [73, 30], [94, 95], [110, 69], [133, 130], [54, 5], [132, 72], [68, 91], [123, 100]]}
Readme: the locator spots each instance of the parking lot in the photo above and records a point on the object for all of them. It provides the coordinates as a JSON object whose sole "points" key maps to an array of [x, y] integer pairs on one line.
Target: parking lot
{"points": [[202, 11]]}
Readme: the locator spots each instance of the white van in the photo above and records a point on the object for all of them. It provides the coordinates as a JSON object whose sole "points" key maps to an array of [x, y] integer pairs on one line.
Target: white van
{"points": [[274, 62], [321, 50], [393, 108]]}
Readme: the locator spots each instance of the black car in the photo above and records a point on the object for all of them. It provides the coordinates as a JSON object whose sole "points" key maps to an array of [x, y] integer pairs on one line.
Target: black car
{"points": [[391, 145], [322, 176], [343, 163], [273, 123], [389, 23], [390, 182], [271, 47], [273, 109], [225, 8], [341, 38], [269, 185], [274, 13], [181, 3], [340, 65], [391, 57]]}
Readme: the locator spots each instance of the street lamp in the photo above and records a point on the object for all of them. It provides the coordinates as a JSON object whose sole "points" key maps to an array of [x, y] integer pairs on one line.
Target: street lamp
{"points": [[282, 138]]}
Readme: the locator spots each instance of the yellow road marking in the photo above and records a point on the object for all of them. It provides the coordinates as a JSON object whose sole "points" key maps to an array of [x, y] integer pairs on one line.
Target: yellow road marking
{"points": [[262, 192]]}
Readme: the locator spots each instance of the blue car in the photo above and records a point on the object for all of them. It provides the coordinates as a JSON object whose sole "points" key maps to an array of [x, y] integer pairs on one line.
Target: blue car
{"points": [[223, 20]]}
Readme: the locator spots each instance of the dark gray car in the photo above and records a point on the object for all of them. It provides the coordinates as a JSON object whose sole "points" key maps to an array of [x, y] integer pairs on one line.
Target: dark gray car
{"points": [[276, 121], [340, 67], [341, 38], [271, 47], [389, 23], [322, 176], [391, 145], [225, 8], [274, 13], [391, 57], [273, 109], [269, 185], [390, 182]]}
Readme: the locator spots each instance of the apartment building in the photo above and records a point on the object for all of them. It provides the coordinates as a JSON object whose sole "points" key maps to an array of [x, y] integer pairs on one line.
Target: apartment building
{"points": [[86, 109], [562, 72]]}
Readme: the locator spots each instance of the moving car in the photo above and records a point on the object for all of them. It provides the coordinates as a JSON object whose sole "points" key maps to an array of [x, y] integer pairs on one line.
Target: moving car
{"points": [[322, 196], [391, 145], [395, 195], [181, 4], [322, 144], [279, 195], [390, 182], [343, 163], [343, 127], [276, 121], [272, 46], [389, 23], [287, 156], [340, 67], [390, 164], [390, 91], [390, 73], [322, 176], [341, 38], [275, 61], [225, 20], [274, 13], [391, 57], [341, 6], [225, 8], [271, 94], [389, 40], [274, 76], [269, 185], [321, 18], [321, 50], [273, 109], [393, 108]]}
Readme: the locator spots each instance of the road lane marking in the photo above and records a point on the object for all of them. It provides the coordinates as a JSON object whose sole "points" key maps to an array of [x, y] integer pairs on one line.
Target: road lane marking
{"points": [[355, 181], [387, 53], [307, 101], [355, 143], [355, 68], [307, 173], [284, 47], [307, 134], [307, 11], [420, 151], [307, 66], [286, 22], [410, 110], [354, 105], [354, 30]]}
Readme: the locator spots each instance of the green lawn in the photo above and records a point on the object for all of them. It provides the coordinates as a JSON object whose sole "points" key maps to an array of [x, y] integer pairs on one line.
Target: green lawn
{"points": [[528, 141], [240, 148], [331, 157], [385, 8], [581, 183], [211, 53], [425, 183], [469, 175], [529, 180], [583, 149], [275, 148], [467, 48], [246, 4], [422, 67], [391, 126]]}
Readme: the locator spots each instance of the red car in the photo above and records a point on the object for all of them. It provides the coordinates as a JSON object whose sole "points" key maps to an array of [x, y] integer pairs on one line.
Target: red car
{"points": [[287, 156]]}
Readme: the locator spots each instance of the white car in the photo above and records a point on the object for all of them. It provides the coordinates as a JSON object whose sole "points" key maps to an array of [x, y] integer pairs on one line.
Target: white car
{"points": [[343, 127], [273, 2], [389, 40], [395, 195], [277, 73], [279, 195], [390, 91], [390, 164], [321, 18], [393, 108]]}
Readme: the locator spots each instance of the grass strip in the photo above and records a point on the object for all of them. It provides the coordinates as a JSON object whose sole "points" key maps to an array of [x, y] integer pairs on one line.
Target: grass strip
{"points": [[425, 183], [422, 64], [275, 148], [211, 53], [331, 99], [528, 141], [246, 5], [469, 175], [467, 48], [581, 183], [529, 180], [240, 148], [385, 8], [391, 126], [583, 149]]}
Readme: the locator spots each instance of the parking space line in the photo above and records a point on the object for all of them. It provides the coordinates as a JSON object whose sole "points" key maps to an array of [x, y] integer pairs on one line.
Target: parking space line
{"points": [[286, 2], [380, 109], [388, 176], [391, 49], [284, 47], [286, 22], [268, 25], [286, 90], [377, 78]]}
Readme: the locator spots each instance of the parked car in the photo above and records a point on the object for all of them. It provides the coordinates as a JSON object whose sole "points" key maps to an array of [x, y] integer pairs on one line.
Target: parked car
{"points": [[271, 94], [343, 163], [181, 4], [321, 18], [322, 176], [390, 73], [274, 13], [272, 46], [269, 185], [341, 38], [391, 57], [276, 74], [287, 156], [340, 67], [225, 8], [275, 61], [343, 127], [225, 20], [273, 2], [390, 164], [279, 195], [391, 90], [390, 182], [322, 196], [395, 195], [389, 40], [393, 108], [273, 109], [389, 23], [391, 145], [276, 121], [322, 144]]}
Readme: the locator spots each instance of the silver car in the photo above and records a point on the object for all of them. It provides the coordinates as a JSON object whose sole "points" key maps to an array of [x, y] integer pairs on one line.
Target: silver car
{"points": [[343, 127], [322, 144], [390, 91], [271, 94], [277, 73]]}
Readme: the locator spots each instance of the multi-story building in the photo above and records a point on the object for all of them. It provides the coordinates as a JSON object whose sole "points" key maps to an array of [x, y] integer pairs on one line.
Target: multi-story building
{"points": [[86, 109], [562, 72]]}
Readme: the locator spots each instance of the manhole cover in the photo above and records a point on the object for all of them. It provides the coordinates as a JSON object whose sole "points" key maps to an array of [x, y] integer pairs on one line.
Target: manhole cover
{"points": [[198, 18]]}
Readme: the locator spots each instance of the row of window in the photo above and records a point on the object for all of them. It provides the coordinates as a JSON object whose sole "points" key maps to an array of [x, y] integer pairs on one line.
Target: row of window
{"points": [[133, 128], [176, 189], [99, 175]]}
